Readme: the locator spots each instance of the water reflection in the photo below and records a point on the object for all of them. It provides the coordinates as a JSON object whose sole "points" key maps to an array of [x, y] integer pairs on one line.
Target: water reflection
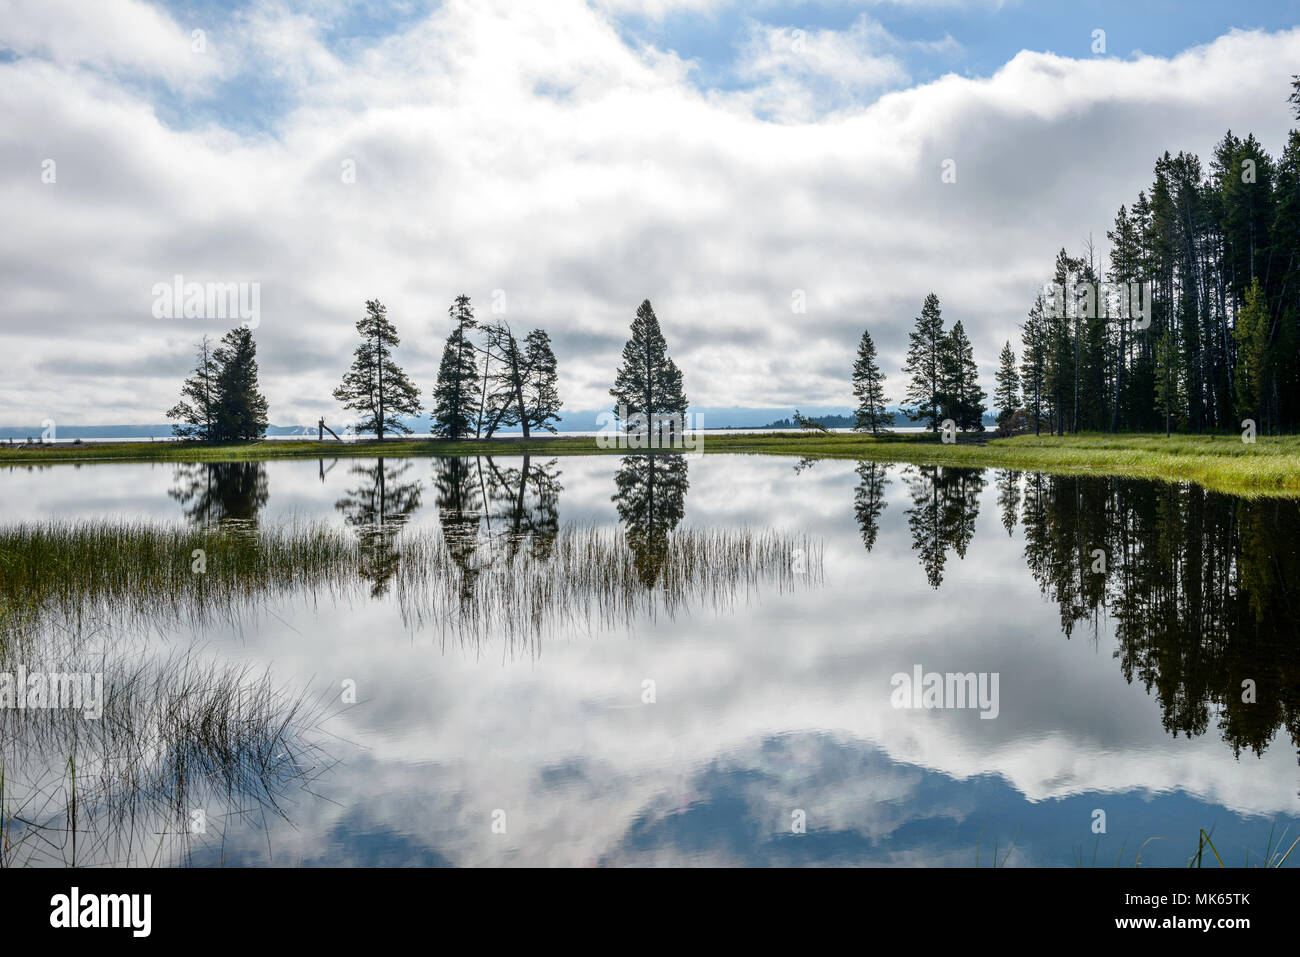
{"points": [[523, 509], [651, 500], [221, 493], [1202, 589], [1106, 673], [869, 500], [378, 508], [945, 504], [175, 754], [1008, 484], [489, 511]]}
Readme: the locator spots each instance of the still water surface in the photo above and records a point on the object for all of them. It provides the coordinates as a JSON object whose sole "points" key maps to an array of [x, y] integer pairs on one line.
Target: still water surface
{"points": [[1118, 690]]}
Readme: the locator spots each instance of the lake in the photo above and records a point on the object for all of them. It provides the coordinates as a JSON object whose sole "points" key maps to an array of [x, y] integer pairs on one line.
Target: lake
{"points": [[642, 660]]}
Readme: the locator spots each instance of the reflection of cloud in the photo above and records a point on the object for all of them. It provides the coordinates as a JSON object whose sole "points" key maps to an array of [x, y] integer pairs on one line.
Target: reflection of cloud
{"points": [[760, 710]]}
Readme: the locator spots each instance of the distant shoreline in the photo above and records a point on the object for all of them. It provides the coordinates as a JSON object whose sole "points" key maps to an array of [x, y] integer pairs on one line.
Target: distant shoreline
{"points": [[1269, 466]]}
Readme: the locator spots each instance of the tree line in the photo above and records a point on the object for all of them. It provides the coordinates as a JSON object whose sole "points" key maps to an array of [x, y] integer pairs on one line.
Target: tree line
{"points": [[1221, 250], [487, 380], [1217, 342], [943, 379]]}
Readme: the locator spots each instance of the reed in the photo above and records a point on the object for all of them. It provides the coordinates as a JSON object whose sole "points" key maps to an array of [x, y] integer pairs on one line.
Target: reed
{"points": [[176, 736], [78, 578]]}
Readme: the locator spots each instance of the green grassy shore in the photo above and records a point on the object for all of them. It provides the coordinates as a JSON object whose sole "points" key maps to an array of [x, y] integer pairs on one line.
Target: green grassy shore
{"points": [[1269, 466]]}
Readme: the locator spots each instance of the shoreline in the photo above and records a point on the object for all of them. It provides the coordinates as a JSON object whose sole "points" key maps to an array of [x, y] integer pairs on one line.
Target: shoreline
{"points": [[1270, 466]]}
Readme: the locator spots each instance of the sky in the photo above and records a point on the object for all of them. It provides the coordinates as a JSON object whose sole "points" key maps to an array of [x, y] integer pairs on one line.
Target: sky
{"points": [[769, 175]]}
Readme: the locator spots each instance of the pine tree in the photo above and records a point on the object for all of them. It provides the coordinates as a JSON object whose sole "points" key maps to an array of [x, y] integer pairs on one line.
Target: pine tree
{"points": [[542, 396], [197, 408], [376, 387], [869, 388], [502, 396], [1124, 259], [241, 412], [1033, 363], [1168, 383], [924, 364], [648, 382], [1251, 334], [1006, 395], [961, 397], [521, 384], [454, 396]]}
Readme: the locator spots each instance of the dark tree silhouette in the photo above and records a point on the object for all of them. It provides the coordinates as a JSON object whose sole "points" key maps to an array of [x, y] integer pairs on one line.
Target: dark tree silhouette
{"points": [[457, 398], [376, 387], [221, 493], [241, 407], [869, 389], [377, 509], [925, 364], [648, 382], [651, 500]]}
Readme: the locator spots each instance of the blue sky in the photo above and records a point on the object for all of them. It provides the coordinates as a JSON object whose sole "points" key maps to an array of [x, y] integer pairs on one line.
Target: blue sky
{"points": [[989, 33], [978, 37]]}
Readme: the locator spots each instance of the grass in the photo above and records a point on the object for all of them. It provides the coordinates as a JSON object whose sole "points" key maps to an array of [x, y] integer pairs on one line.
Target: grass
{"points": [[74, 578], [178, 734], [175, 735], [1269, 466]]}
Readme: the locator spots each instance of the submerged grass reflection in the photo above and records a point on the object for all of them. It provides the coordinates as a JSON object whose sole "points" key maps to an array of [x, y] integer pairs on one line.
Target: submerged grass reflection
{"points": [[78, 577], [181, 749]]}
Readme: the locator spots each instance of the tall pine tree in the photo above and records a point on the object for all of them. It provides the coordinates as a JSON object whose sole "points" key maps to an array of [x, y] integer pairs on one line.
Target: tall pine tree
{"points": [[1033, 363], [196, 411], [1006, 394], [925, 364], [961, 397], [241, 413], [542, 397], [455, 397], [648, 382], [376, 387], [869, 388]]}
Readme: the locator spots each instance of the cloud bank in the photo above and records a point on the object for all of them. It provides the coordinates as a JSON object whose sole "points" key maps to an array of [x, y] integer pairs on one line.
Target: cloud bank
{"points": [[538, 155]]}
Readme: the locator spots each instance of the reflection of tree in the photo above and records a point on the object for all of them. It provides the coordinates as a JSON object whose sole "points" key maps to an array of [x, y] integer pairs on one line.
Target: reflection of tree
{"points": [[221, 493], [945, 504], [869, 500], [489, 511], [524, 505], [1065, 535], [1008, 483], [378, 508], [651, 500], [1202, 588]]}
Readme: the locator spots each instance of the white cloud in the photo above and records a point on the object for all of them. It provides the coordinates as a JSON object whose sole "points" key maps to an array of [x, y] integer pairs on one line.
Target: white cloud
{"points": [[799, 74], [508, 147], [127, 35]]}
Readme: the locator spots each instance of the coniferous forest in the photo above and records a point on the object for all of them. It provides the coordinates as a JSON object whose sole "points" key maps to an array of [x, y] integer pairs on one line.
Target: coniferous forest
{"points": [[1211, 250]]}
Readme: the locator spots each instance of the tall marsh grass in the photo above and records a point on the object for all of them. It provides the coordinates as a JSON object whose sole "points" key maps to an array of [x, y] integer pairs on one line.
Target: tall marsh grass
{"points": [[76, 578], [176, 737]]}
